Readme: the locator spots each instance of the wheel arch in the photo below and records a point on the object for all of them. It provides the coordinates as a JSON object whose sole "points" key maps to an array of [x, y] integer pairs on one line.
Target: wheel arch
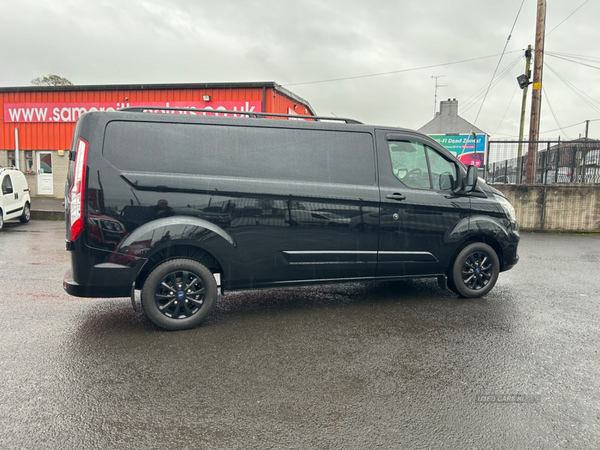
{"points": [[177, 237], [484, 239], [177, 251]]}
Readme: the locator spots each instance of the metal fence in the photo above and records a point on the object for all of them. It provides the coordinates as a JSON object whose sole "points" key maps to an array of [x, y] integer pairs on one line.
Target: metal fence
{"points": [[558, 161]]}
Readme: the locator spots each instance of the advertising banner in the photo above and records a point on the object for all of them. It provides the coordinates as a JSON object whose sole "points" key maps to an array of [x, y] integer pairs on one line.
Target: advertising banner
{"points": [[70, 112], [468, 148]]}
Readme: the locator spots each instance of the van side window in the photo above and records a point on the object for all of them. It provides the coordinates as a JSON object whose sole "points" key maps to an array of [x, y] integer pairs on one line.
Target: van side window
{"points": [[420, 167], [443, 172], [319, 156], [409, 164], [7, 185]]}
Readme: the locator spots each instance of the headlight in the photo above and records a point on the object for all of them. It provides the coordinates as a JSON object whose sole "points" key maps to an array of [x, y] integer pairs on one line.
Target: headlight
{"points": [[508, 208]]}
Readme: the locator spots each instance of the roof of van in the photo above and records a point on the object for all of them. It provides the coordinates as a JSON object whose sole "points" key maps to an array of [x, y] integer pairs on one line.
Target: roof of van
{"points": [[141, 87]]}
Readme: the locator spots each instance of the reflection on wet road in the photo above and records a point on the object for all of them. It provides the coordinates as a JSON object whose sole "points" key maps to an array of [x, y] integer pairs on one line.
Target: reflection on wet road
{"points": [[345, 366]]}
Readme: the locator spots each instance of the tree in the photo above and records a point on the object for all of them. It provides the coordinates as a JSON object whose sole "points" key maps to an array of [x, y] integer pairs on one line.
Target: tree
{"points": [[51, 80]]}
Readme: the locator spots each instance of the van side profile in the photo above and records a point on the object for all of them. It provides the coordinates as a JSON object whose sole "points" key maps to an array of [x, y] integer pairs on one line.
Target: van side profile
{"points": [[163, 202], [15, 202]]}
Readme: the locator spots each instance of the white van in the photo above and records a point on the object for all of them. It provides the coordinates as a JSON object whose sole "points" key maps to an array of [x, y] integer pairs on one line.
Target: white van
{"points": [[15, 202]]}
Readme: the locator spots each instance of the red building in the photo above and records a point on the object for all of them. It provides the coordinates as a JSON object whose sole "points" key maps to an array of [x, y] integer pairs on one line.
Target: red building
{"points": [[36, 123]]}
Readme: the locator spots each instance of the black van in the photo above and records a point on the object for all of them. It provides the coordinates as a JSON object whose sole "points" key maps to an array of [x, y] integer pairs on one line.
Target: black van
{"points": [[169, 203]]}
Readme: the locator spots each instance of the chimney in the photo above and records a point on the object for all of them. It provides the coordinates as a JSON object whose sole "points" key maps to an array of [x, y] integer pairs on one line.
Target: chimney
{"points": [[449, 107]]}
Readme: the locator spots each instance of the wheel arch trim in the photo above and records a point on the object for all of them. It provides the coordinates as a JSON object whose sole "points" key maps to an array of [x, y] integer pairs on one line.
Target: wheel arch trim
{"points": [[170, 222]]}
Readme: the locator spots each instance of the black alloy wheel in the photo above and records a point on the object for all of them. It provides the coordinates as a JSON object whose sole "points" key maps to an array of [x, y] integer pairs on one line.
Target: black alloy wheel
{"points": [[475, 270], [179, 294]]}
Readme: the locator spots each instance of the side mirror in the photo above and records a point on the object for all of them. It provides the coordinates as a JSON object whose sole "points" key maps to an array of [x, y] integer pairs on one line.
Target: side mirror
{"points": [[470, 181], [466, 182]]}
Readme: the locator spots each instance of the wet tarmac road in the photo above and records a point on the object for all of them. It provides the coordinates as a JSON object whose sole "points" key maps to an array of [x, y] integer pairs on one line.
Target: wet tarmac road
{"points": [[388, 365]]}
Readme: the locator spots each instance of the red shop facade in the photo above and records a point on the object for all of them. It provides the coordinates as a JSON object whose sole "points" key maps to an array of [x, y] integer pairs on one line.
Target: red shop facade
{"points": [[36, 123]]}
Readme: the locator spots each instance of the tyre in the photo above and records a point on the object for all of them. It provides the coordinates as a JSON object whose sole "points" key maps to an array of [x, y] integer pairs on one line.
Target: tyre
{"points": [[1, 220], [451, 285], [26, 214], [475, 270], [179, 294]]}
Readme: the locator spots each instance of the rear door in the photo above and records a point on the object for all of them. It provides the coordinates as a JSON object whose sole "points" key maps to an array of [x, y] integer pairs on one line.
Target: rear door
{"points": [[422, 220]]}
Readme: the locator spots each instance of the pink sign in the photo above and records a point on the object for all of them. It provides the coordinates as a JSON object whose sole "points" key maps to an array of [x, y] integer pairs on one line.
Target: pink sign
{"points": [[70, 112]]}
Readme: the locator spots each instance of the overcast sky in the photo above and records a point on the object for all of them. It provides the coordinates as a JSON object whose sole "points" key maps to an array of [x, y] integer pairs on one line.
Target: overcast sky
{"points": [[301, 43]]}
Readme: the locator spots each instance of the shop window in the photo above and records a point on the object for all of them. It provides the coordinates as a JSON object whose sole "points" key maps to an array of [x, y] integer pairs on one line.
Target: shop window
{"points": [[11, 158], [28, 161]]}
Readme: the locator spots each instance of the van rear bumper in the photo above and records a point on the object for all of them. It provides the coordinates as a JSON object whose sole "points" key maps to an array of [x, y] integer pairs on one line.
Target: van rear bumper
{"points": [[80, 290]]}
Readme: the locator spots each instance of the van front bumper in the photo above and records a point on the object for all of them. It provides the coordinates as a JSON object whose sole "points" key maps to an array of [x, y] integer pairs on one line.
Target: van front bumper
{"points": [[511, 257], [83, 290]]}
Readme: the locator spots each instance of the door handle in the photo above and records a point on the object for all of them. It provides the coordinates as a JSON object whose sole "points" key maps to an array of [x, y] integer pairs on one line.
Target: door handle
{"points": [[395, 196]]}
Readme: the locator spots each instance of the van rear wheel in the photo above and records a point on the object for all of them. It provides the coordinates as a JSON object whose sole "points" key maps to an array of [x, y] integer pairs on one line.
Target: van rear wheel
{"points": [[475, 270], [179, 294], [26, 214]]}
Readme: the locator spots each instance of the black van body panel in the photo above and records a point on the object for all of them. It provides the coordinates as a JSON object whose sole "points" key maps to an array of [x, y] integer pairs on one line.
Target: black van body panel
{"points": [[258, 228], [420, 228], [504, 235], [260, 231]]}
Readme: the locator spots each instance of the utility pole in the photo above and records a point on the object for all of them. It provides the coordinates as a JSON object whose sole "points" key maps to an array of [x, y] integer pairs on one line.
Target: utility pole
{"points": [[524, 104], [436, 89], [536, 97], [587, 128]]}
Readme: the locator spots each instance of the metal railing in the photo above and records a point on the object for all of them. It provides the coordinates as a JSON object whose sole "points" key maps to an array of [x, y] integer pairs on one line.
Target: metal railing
{"points": [[557, 161]]}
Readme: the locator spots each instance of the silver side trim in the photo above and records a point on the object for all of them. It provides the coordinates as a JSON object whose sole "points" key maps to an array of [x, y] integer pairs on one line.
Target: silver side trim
{"points": [[328, 252]]}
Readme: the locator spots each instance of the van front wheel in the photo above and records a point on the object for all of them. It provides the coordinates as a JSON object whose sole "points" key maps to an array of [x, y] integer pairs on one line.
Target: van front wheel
{"points": [[475, 270], [179, 294]]}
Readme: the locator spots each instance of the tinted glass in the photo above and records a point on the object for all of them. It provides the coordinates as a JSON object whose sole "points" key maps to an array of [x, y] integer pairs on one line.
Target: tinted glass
{"points": [[250, 152], [409, 163], [443, 172], [421, 167], [6, 184]]}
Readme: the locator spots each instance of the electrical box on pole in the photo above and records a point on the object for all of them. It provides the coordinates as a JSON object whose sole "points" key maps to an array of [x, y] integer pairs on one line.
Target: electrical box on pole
{"points": [[524, 82], [536, 97]]}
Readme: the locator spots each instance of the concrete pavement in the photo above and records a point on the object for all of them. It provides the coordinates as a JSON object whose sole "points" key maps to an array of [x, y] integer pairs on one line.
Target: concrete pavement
{"points": [[44, 208]]}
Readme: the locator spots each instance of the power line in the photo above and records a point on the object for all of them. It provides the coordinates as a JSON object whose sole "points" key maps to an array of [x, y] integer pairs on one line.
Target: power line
{"points": [[570, 60], [570, 126], [395, 71], [554, 115], [479, 92], [572, 55], [547, 34], [507, 108], [561, 129], [468, 104], [499, 61], [582, 95], [557, 129]]}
